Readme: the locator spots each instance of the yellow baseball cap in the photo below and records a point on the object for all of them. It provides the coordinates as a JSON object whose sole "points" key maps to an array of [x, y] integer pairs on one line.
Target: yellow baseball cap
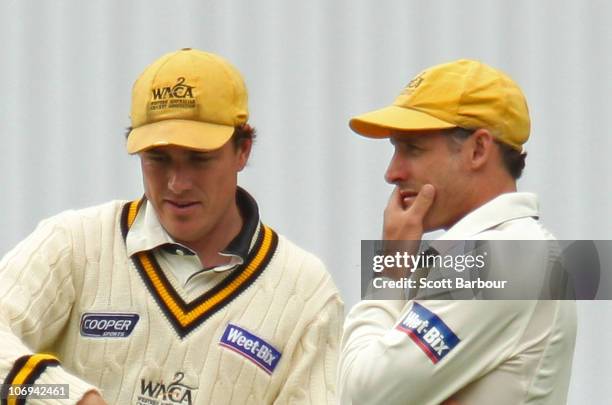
{"points": [[187, 98], [463, 93]]}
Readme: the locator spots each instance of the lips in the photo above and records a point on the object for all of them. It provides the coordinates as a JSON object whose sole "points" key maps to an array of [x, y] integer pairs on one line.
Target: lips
{"points": [[181, 206], [408, 194], [408, 197]]}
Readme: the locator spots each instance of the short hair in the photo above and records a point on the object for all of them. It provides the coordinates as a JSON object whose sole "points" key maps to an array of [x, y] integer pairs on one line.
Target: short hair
{"points": [[241, 133], [514, 160]]}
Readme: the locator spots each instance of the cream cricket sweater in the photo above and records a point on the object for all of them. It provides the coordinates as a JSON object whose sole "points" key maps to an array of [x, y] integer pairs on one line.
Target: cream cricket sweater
{"points": [[75, 309]]}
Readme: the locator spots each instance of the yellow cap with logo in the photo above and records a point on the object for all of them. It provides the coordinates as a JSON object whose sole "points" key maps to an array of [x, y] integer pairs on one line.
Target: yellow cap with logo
{"points": [[188, 98], [463, 93]]}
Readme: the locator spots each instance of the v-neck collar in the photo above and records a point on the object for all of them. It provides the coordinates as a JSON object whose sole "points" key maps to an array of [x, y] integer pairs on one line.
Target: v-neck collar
{"points": [[186, 316]]}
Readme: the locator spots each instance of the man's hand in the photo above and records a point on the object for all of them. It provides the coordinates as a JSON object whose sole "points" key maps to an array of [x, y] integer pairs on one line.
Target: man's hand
{"points": [[92, 398], [406, 223]]}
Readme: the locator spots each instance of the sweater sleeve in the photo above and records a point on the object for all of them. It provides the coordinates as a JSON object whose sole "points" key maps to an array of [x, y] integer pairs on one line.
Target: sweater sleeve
{"points": [[397, 352], [312, 379], [36, 297]]}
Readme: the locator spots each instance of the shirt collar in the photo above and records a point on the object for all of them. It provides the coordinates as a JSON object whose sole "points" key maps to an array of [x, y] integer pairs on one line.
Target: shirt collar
{"points": [[147, 233], [242, 243], [503, 208]]}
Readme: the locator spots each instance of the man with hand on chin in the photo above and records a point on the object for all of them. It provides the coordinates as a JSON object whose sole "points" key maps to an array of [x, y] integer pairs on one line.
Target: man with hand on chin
{"points": [[183, 296], [458, 131]]}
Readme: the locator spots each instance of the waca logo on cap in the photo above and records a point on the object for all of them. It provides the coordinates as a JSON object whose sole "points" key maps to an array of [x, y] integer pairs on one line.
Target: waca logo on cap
{"points": [[413, 84], [178, 96], [179, 90]]}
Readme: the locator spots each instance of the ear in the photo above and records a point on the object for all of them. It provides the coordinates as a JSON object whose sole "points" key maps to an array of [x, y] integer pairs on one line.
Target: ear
{"points": [[244, 151], [482, 147]]}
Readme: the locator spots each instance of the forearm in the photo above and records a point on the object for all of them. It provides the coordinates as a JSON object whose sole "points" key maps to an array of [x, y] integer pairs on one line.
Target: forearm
{"points": [[36, 298]]}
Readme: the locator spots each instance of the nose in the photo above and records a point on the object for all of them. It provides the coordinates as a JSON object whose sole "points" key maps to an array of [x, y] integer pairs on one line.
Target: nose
{"points": [[179, 179], [397, 171]]}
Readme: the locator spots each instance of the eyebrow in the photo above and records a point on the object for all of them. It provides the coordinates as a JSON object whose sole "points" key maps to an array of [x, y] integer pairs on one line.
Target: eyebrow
{"points": [[154, 152], [407, 141], [201, 153]]}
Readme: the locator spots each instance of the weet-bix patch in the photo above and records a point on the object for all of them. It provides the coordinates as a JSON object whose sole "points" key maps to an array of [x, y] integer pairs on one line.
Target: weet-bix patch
{"points": [[429, 332], [250, 346]]}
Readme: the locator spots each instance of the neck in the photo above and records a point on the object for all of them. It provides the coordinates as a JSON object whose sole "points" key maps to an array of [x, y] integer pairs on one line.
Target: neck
{"points": [[222, 233], [494, 190], [482, 194]]}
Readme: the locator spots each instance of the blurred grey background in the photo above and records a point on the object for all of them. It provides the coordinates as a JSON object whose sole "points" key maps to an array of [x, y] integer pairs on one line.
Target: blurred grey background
{"points": [[67, 67]]}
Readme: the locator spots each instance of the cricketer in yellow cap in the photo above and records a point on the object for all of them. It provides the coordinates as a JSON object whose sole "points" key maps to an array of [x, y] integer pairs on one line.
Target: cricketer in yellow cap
{"points": [[458, 131], [183, 295], [463, 104]]}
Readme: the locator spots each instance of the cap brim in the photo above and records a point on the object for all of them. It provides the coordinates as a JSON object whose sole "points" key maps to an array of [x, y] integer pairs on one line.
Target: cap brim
{"points": [[195, 135], [384, 122]]}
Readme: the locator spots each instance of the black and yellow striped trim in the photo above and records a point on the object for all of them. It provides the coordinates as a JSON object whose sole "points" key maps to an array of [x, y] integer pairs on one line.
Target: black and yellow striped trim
{"points": [[26, 370], [186, 316]]}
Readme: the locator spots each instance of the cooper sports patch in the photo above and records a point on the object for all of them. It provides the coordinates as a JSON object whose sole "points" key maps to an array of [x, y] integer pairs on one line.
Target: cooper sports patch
{"points": [[106, 325]]}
